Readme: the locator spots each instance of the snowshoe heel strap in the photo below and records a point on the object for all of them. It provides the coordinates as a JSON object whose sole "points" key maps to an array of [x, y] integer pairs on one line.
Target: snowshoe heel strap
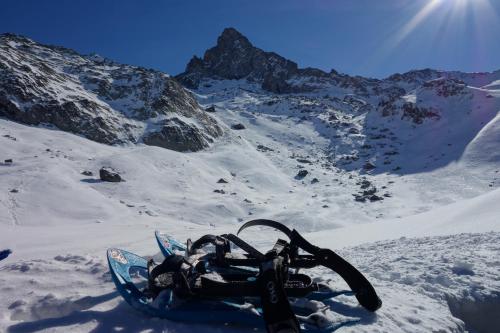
{"points": [[362, 288]]}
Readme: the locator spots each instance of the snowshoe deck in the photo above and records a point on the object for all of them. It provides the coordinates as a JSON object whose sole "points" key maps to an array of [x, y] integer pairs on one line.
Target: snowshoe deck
{"points": [[129, 273]]}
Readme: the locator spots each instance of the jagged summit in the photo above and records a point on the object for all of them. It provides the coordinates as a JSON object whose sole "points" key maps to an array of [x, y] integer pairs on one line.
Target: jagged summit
{"points": [[234, 57], [232, 38]]}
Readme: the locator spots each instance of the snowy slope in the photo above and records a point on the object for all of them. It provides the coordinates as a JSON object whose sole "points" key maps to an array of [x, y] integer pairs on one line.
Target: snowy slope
{"points": [[63, 239]]}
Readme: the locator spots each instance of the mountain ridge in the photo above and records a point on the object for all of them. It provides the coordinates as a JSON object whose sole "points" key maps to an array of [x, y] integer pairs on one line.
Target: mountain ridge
{"points": [[235, 57], [98, 98]]}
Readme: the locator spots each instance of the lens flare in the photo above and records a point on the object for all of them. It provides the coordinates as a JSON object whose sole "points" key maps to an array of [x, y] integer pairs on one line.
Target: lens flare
{"points": [[448, 17]]}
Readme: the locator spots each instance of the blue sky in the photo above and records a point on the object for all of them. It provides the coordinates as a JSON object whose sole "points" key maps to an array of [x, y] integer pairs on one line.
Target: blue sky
{"points": [[362, 37]]}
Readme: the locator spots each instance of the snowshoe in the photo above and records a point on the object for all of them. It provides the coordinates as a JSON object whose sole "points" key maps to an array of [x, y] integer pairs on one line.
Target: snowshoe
{"points": [[221, 286]]}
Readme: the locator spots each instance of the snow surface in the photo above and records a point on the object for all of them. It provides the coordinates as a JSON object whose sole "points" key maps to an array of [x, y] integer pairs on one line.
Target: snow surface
{"points": [[431, 248]]}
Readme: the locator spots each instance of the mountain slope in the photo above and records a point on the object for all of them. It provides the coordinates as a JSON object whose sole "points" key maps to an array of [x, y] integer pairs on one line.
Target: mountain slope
{"points": [[59, 223], [405, 124], [102, 100]]}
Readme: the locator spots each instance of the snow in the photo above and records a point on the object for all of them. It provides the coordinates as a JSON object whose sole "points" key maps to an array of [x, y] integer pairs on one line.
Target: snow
{"points": [[431, 249]]}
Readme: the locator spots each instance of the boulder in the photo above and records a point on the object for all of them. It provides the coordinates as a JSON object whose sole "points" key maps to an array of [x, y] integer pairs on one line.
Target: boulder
{"points": [[238, 126], [109, 175], [301, 174], [178, 135]]}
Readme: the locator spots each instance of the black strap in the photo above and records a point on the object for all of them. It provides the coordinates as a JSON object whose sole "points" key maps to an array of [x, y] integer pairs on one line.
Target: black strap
{"points": [[268, 223], [362, 288], [364, 291], [201, 242], [276, 309], [169, 275], [245, 246]]}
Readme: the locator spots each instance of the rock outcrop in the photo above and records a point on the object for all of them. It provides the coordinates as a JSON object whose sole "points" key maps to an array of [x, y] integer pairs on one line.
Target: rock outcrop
{"points": [[107, 174]]}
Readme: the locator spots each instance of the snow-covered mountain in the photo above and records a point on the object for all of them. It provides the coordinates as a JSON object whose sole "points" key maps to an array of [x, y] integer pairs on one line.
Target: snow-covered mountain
{"points": [[100, 99], [404, 172]]}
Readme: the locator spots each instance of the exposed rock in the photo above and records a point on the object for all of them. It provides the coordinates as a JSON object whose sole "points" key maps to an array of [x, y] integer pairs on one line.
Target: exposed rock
{"points": [[222, 181], [314, 181], [179, 135], [419, 114], [210, 109], [365, 184], [263, 148], [375, 197], [238, 126], [109, 175], [220, 191], [369, 166], [301, 174], [446, 87], [369, 192], [87, 173], [415, 77], [14, 190], [8, 161], [359, 198]]}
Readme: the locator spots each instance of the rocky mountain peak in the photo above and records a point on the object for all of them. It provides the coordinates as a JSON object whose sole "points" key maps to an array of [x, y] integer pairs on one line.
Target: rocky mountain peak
{"points": [[232, 39], [234, 58]]}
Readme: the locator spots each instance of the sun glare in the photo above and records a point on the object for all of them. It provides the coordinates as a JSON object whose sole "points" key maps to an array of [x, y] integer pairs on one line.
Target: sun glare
{"points": [[452, 11], [447, 16]]}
